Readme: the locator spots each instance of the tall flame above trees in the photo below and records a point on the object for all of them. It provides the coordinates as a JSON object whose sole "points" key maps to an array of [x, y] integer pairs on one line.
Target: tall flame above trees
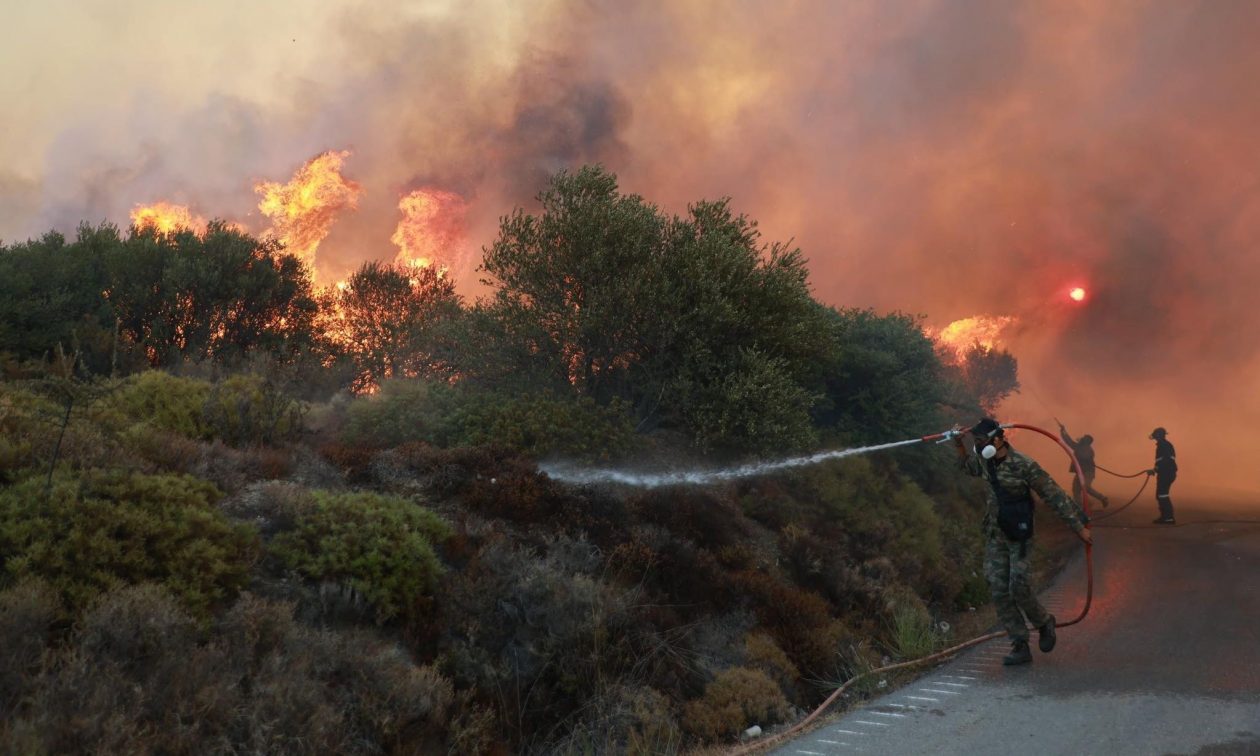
{"points": [[432, 228], [957, 338], [166, 218], [302, 211]]}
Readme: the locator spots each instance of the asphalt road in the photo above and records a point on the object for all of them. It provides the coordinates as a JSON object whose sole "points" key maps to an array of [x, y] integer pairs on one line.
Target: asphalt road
{"points": [[1167, 661]]}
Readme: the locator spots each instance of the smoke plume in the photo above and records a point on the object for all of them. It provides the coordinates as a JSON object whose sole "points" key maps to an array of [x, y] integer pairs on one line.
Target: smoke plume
{"points": [[955, 158]]}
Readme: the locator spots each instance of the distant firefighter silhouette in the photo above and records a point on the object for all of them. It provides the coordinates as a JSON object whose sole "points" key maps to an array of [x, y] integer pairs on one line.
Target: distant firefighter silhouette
{"points": [[1165, 472], [1084, 451]]}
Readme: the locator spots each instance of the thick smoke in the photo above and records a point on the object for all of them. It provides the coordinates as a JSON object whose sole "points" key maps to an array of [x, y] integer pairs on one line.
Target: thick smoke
{"points": [[945, 157]]}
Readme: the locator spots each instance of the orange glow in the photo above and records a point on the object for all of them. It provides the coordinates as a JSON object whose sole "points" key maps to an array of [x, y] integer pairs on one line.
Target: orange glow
{"points": [[1077, 294], [302, 211], [432, 228], [959, 335], [167, 218]]}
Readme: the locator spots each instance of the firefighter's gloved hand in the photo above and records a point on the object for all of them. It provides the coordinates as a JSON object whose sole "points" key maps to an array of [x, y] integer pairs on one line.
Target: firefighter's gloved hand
{"points": [[1150, 472]]}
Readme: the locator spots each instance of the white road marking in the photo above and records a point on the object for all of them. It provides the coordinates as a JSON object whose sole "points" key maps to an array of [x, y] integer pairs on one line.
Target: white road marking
{"points": [[924, 698], [952, 685], [960, 677], [946, 692], [873, 724], [887, 714], [812, 753], [850, 732]]}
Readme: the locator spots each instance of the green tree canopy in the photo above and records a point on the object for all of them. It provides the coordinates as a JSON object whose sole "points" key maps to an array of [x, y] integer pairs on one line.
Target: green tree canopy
{"points": [[881, 377], [163, 298], [608, 297], [989, 374]]}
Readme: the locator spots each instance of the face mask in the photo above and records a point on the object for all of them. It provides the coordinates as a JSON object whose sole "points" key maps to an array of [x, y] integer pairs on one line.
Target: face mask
{"points": [[989, 448]]}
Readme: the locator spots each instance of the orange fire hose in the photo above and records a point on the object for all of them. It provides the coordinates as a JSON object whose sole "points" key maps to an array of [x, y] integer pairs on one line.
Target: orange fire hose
{"points": [[952, 650]]}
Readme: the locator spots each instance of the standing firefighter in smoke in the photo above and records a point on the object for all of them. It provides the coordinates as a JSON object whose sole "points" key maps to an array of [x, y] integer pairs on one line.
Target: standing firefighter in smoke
{"points": [[1165, 472], [1084, 451], [1008, 528]]}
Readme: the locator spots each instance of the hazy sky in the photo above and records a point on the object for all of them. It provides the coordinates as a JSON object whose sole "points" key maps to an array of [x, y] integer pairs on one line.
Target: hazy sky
{"points": [[944, 157]]}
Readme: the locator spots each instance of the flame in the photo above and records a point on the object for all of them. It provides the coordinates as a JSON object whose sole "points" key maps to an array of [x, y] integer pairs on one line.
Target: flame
{"points": [[1077, 294], [958, 336], [167, 218], [432, 228], [303, 210]]}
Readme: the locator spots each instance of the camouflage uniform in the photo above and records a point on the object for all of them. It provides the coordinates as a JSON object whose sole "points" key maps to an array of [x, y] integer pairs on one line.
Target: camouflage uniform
{"points": [[1007, 563]]}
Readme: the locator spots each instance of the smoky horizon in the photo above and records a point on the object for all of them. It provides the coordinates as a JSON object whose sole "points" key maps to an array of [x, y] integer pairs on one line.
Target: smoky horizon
{"points": [[978, 159]]}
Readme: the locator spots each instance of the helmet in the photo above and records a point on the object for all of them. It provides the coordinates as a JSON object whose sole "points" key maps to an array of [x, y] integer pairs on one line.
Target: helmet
{"points": [[987, 428], [1087, 439], [1158, 433]]}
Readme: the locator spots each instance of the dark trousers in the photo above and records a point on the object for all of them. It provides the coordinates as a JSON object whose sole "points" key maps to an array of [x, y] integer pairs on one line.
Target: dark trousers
{"points": [[1089, 486], [1163, 482]]}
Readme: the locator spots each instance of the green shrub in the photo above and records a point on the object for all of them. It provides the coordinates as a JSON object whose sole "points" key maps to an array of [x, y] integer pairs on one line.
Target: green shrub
{"points": [[737, 699], [755, 405], [240, 410], [447, 416], [379, 546], [542, 425], [166, 402], [28, 430], [112, 528], [911, 631], [402, 411], [249, 410], [165, 450], [873, 511]]}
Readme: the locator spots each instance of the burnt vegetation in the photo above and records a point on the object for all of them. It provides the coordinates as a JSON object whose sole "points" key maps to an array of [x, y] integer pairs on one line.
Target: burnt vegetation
{"points": [[240, 514]]}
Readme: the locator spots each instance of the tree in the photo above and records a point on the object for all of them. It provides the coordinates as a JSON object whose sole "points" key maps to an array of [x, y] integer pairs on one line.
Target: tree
{"points": [[155, 298], [219, 296], [612, 299], [386, 320], [881, 377], [989, 374], [575, 283], [50, 295]]}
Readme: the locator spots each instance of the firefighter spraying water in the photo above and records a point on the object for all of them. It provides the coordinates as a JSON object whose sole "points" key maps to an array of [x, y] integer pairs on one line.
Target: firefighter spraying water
{"points": [[1013, 478]]}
